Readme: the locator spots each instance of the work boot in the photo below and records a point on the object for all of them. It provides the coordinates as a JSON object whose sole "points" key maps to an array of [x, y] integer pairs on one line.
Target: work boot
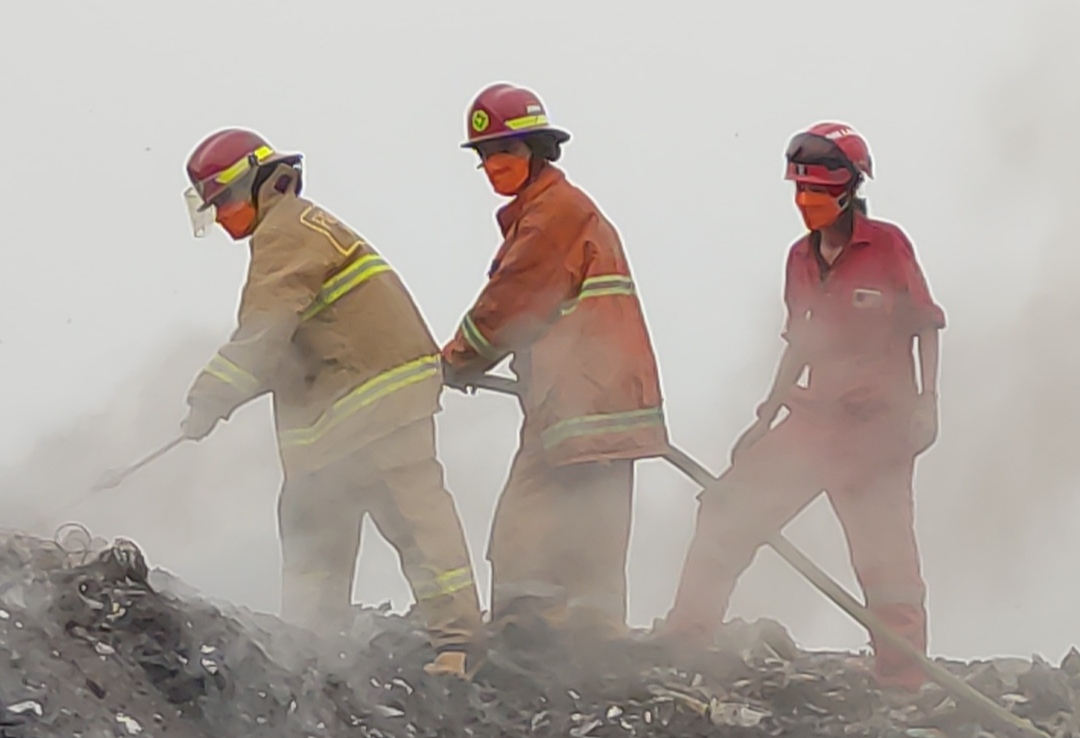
{"points": [[447, 663]]}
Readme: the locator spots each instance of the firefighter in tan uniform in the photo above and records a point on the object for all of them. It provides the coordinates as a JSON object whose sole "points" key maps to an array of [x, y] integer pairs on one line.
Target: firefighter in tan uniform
{"points": [[330, 331]]}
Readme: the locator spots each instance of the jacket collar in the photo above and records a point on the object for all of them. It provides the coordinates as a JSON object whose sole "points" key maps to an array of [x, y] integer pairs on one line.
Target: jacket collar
{"points": [[545, 179]]}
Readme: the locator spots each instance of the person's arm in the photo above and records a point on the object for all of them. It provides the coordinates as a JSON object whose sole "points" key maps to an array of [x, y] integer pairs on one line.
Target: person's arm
{"points": [[520, 301], [788, 369], [284, 278]]}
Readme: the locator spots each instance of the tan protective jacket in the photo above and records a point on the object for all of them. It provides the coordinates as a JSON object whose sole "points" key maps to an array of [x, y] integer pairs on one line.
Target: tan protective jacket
{"points": [[328, 328]]}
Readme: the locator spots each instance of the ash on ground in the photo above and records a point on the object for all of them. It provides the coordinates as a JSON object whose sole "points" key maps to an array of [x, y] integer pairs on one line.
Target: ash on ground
{"points": [[94, 645]]}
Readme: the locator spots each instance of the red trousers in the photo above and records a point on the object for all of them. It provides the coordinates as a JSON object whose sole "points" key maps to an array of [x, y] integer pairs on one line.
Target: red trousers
{"points": [[866, 468]]}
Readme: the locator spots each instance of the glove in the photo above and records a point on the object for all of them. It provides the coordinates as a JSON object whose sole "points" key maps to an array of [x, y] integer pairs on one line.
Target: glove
{"points": [[924, 423], [199, 422], [457, 379]]}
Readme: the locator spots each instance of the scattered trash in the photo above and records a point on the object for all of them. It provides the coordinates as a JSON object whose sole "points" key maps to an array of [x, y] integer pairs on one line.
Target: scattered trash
{"points": [[108, 647]]}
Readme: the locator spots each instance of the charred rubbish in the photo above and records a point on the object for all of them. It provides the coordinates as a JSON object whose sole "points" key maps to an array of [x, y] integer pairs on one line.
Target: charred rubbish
{"points": [[94, 643]]}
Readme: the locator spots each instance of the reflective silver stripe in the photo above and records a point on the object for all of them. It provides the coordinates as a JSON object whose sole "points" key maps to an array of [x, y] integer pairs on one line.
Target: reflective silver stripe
{"points": [[588, 425], [476, 339], [347, 280], [361, 397], [232, 374], [604, 285], [445, 584]]}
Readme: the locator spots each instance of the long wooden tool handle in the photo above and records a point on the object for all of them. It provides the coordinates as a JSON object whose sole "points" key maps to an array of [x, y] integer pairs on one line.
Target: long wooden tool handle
{"points": [[113, 479], [829, 587]]}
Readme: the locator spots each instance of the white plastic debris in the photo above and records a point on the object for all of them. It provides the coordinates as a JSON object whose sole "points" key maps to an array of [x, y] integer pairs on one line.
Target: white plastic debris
{"points": [[104, 649], [27, 706], [614, 712], [131, 725], [735, 715]]}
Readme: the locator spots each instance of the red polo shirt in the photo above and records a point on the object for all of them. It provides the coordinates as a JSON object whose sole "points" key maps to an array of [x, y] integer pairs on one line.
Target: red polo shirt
{"points": [[854, 321]]}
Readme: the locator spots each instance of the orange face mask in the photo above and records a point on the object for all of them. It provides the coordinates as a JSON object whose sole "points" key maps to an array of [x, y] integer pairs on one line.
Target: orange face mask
{"points": [[819, 209], [237, 218], [507, 173]]}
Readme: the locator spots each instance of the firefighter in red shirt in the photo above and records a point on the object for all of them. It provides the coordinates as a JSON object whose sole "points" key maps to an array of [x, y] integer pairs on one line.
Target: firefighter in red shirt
{"points": [[856, 415]]}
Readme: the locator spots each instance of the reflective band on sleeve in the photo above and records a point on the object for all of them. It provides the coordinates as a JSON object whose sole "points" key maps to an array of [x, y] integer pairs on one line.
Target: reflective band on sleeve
{"points": [[591, 425], [232, 374], [476, 339], [347, 280], [361, 397], [446, 584], [606, 285]]}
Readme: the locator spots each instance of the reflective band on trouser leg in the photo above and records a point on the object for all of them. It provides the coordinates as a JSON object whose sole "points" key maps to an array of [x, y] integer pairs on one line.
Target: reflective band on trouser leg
{"points": [[363, 396], [476, 339], [445, 584], [347, 280], [588, 425], [606, 285], [232, 374]]}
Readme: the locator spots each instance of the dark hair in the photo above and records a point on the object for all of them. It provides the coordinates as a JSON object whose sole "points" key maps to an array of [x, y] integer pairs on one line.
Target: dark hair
{"points": [[267, 170], [544, 146]]}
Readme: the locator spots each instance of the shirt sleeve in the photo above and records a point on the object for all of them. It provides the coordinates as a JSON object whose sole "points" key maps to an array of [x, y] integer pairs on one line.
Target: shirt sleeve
{"points": [[284, 278], [921, 311], [521, 300]]}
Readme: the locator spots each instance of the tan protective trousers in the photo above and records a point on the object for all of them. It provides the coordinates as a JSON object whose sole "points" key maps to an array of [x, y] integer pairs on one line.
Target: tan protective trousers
{"points": [[398, 481], [559, 543]]}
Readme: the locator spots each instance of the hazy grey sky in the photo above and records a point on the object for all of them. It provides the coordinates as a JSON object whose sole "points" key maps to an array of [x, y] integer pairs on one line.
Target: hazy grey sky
{"points": [[680, 113]]}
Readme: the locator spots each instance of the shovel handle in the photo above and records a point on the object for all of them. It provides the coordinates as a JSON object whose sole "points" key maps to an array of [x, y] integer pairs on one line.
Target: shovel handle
{"points": [[832, 589], [113, 479]]}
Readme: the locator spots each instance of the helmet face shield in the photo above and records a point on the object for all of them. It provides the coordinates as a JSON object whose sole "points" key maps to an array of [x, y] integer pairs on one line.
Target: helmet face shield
{"points": [[201, 214]]}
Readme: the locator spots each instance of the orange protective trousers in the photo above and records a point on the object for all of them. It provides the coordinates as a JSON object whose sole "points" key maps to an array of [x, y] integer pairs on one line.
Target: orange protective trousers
{"points": [[559, 543], [866, 470]]}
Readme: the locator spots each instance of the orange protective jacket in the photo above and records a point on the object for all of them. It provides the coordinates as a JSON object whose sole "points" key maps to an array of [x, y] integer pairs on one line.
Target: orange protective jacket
{"points": [[560, 298]]}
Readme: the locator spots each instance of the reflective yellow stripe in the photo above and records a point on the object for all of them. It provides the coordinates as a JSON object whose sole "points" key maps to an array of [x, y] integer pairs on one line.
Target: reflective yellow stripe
{"points": [[361, 397], [238, 169], [341, 284], [606, 285], [589, 425], [476, 339], [232, 374], [526, 121], [446, 584]]}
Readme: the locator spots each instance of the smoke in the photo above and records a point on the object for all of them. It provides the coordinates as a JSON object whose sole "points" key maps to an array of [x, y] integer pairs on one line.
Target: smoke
{"points": [[997, 510]]}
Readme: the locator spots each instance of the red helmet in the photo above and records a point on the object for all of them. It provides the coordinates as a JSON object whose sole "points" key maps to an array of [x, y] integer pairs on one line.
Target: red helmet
{"points": [[224, 157], [828, 154], [504, 111]]}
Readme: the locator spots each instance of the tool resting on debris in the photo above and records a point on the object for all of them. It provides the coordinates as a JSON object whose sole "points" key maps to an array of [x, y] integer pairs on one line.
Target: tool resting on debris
{"points": [[956, 687]]}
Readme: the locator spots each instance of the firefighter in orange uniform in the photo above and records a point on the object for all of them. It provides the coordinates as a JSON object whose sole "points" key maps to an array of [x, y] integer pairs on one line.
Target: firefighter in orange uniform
{"points": [[329, 330], [561, 300], [856, 301]]}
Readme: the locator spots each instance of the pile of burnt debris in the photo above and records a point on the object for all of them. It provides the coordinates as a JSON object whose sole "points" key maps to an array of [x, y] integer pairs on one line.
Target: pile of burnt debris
{"points": [[93, 644]]}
